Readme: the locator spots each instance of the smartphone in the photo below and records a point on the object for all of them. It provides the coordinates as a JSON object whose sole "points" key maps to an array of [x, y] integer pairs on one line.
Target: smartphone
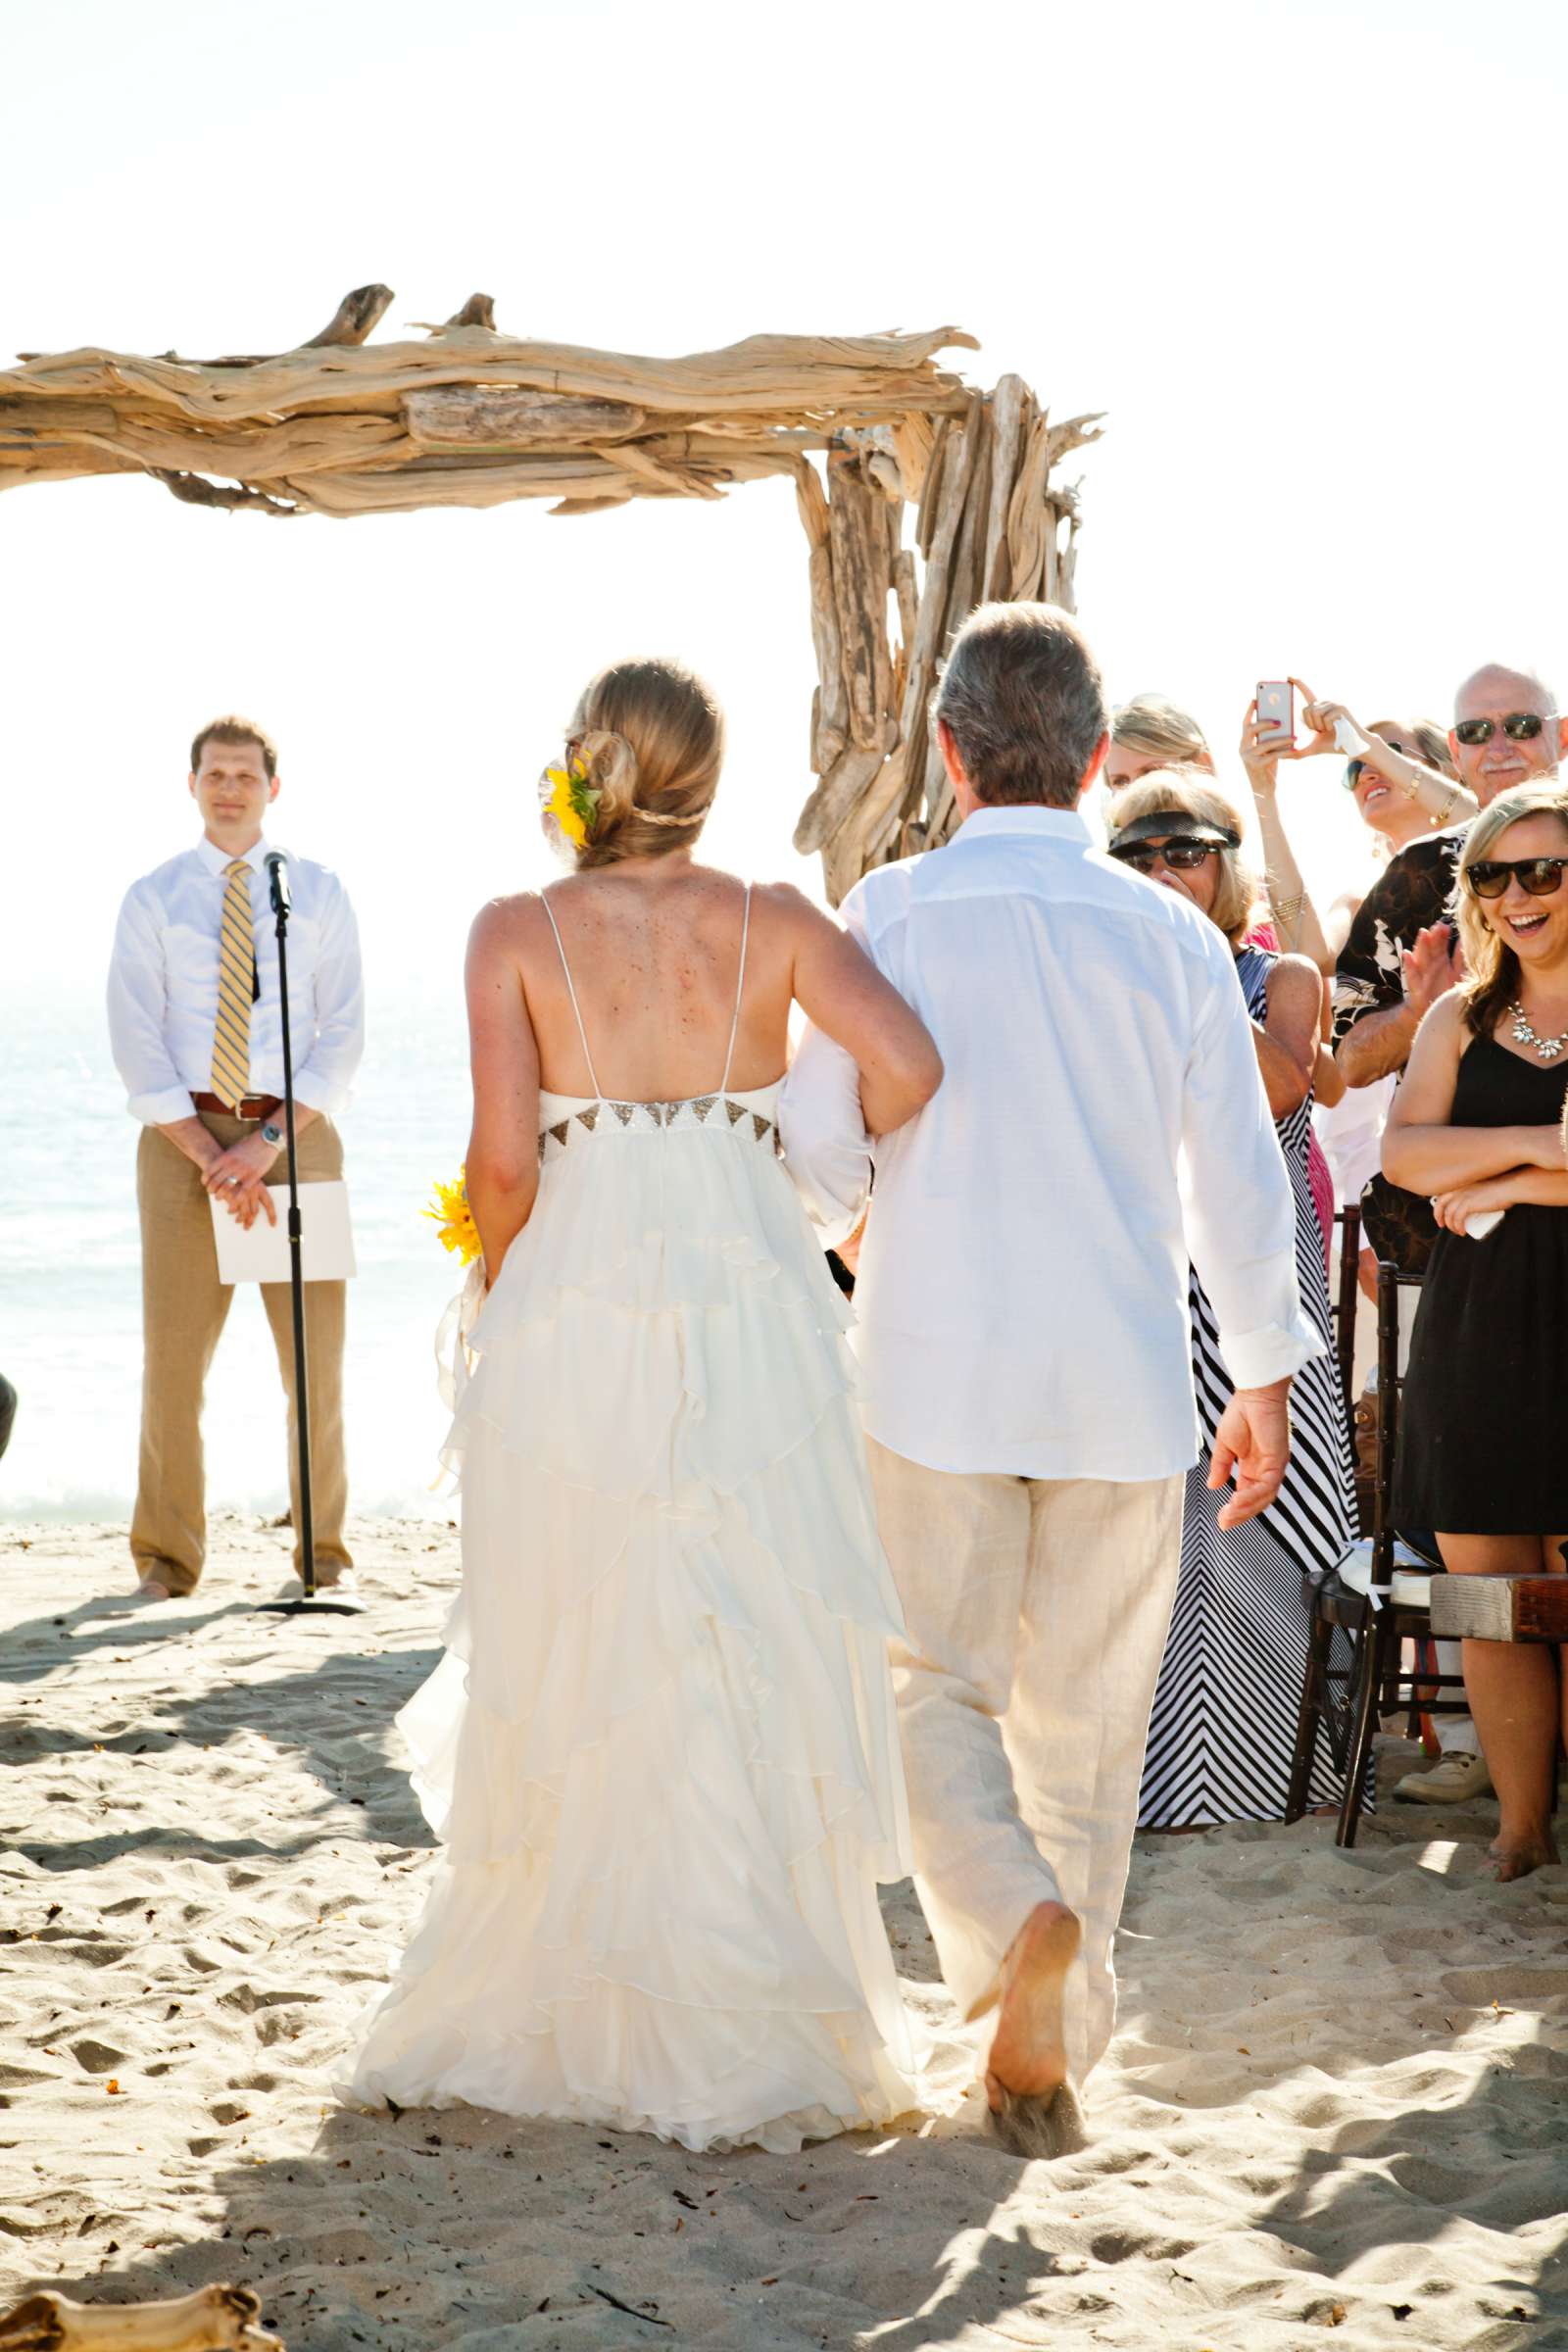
{"points": [[1276, 707]]}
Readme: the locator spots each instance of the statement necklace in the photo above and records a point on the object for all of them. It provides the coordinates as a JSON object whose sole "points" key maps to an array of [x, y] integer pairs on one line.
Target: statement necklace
{"points": [[1547, 1047]]}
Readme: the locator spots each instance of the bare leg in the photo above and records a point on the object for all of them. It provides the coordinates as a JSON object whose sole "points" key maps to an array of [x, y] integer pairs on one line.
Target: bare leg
{"points": [[1026, 2074], [1512, 1687]]}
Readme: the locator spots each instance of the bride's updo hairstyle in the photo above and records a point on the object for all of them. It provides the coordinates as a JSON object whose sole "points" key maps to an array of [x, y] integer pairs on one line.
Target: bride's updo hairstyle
{"points": [[651, 738]]}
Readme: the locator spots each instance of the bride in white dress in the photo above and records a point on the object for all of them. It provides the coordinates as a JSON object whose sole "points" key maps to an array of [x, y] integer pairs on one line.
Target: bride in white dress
{"points": [[659, 1749]]}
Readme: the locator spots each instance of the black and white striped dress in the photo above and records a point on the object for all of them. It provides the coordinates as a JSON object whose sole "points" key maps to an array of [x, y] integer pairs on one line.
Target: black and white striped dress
{"points": [[1222, 1734]]}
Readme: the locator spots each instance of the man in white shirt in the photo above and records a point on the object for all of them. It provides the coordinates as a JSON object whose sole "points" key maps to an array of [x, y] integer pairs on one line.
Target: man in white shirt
{"points": [[195, 1022], [1023, 1330]]}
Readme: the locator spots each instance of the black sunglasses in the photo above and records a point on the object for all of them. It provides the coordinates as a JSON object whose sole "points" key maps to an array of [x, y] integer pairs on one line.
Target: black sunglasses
{"points": [[1353, 768], [1541, 876], [1520, 726], [1181, 856]]}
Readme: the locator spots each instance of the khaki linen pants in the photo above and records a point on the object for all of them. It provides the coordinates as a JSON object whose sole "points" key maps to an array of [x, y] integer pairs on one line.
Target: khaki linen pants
{"points": [[184, 1307], [1036, 1614]]}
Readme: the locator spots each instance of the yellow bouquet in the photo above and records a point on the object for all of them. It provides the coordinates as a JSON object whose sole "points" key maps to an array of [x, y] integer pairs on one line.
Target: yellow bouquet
{"points": [[453, 1220]]}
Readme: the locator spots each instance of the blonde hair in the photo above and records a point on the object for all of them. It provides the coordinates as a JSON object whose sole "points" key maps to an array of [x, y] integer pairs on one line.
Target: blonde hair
{"points": [[1191, 792], [234, 729], [650, 736], [1427, 737], [1492, 968], [1155, 728]]}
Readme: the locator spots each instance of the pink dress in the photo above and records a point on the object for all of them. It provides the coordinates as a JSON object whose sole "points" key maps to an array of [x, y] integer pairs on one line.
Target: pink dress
{"points": [[1320, 1182]]}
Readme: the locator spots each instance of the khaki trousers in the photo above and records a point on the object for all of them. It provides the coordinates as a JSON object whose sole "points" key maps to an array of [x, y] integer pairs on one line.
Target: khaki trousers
{"points": [[1036, 1614], [184, 1307]]}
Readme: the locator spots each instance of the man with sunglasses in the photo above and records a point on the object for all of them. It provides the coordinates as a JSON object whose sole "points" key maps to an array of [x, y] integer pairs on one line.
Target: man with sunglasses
{"points": [[1400, 958]]}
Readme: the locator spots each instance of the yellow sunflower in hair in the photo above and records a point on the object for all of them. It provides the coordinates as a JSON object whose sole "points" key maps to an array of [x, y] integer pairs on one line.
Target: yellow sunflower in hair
{"points": [[568, 803]]}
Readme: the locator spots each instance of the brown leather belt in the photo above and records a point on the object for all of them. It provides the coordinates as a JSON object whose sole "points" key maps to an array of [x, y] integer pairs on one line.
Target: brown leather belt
{"points": [[254, 1106]]}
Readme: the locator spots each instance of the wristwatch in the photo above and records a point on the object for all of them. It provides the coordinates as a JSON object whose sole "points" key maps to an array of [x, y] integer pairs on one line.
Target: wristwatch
{"points": [[272, 1134]]}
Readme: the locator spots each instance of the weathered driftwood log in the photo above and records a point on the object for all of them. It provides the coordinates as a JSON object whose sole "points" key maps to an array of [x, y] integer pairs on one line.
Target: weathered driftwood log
{"points": [[216, 2318], [471, 418], [357, 317]]}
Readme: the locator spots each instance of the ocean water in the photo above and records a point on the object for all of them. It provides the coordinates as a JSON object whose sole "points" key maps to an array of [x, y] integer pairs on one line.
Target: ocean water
{"points": [[69, 1277]]}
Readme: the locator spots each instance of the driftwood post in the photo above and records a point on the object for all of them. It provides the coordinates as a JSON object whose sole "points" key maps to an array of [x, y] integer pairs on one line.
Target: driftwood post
{"points": [[216, 2318], [869, 426]]}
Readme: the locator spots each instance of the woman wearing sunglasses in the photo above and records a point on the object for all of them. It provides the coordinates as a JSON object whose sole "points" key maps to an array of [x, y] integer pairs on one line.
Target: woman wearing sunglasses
{"points": [[1150, 732], [1478, 1126], [1220, 1737]]}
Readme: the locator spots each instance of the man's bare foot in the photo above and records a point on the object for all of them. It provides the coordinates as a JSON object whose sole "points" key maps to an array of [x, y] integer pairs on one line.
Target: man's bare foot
{"points": [[151, 1589], [1027, 2068], [1516, 1857]]}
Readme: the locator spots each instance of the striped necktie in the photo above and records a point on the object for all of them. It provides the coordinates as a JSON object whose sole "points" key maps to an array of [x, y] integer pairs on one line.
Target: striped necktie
{"points": [[237, 974]]}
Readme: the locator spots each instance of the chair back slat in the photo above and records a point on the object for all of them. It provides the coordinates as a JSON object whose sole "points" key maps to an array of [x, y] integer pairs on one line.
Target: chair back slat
{"points": [[1349, 1221], [1398, 1296]]}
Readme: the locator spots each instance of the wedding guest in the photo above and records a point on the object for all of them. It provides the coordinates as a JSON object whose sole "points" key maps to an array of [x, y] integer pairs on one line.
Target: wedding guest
{"points": [[1023, 1334], [194, 1022], [1397, 961], [1221, 1735], [1404, 784], [1397, 783], [1151, 732], [1479, 1124]]}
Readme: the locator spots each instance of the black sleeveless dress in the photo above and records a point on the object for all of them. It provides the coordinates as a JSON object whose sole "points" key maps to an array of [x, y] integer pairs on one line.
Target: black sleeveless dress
{"points": [[1484, 1420]]}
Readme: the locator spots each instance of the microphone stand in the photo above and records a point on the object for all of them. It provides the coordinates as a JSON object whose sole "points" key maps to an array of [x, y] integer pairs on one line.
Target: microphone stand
{"points": [[309, 1603]]}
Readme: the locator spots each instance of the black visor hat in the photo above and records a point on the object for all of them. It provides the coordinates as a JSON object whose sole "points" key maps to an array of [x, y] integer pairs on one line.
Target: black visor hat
{"points": [[1174, 824]]}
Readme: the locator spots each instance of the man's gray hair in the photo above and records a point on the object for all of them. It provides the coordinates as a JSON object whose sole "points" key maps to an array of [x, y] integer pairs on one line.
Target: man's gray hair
{"points": [[1537, 692], [1022, 694]]}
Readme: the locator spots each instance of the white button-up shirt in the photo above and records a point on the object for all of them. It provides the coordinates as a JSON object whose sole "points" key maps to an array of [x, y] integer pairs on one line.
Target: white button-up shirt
{"points": [[163, 984], [1022, 1296]]}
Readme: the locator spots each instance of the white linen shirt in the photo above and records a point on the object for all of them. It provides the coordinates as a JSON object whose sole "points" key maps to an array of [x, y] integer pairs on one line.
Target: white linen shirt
{"points": [[163, 984], [1021, 1305]]}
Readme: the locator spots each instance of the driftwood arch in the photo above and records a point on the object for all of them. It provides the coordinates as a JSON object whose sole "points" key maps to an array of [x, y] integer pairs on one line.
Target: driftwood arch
{"points": [[866, 426]]}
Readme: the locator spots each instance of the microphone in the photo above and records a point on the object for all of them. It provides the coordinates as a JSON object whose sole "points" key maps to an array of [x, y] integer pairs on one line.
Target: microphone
{"points": [[277, 877]]}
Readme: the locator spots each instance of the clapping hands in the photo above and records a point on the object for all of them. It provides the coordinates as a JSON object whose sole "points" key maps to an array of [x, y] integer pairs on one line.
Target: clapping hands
{"points": [[1431, 967]]}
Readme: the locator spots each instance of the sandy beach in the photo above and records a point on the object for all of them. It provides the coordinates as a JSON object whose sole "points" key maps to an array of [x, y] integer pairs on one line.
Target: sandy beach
{"points": [[1337, 2104]]}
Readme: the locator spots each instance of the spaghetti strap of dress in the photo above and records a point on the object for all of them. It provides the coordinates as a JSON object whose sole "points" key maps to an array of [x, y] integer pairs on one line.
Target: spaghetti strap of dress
{"points": [[740, 990], [576, 1009]]}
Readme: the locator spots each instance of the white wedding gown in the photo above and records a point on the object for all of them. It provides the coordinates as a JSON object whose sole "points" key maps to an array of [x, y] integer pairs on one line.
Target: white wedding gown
{"points": [[659, 1749]]}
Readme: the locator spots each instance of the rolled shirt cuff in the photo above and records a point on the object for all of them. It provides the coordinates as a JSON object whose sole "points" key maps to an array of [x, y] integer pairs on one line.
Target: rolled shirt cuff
{"points": [[834, 1225], [1254, 1359], [164, 1110], [835, 1197]]}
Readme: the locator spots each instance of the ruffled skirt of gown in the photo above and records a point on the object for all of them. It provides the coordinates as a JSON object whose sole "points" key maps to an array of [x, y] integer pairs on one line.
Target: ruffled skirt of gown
{"points": [[659, 1749]]}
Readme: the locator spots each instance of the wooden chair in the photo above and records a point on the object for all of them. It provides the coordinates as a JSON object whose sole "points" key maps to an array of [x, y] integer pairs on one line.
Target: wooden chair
{"points": [[1379, 1599]]}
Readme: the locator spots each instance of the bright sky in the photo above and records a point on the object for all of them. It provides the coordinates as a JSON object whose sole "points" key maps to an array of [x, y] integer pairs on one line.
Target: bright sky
{"points": [[1305, 256]]}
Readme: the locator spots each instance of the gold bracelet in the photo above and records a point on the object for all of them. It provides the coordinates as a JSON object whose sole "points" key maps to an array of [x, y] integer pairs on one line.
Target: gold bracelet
{"points": [[1287, 910], [1447, 808]]}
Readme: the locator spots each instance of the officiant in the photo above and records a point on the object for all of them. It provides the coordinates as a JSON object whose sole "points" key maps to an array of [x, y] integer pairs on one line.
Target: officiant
{"points": [[196, 1028]]}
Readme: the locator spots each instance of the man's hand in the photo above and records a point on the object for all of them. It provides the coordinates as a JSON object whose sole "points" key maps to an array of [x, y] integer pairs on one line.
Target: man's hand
{"points": [[1252, 1440], [1431, 967], [238, 1178]]}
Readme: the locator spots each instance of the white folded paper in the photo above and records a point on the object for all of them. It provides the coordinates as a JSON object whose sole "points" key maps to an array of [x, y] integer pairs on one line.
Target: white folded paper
{"points": [[1485, 1221], [261, 1254]]}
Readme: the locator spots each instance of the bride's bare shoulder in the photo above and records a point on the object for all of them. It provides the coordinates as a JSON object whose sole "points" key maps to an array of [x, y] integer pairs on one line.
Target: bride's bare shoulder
{"points": [[506, 929]]}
